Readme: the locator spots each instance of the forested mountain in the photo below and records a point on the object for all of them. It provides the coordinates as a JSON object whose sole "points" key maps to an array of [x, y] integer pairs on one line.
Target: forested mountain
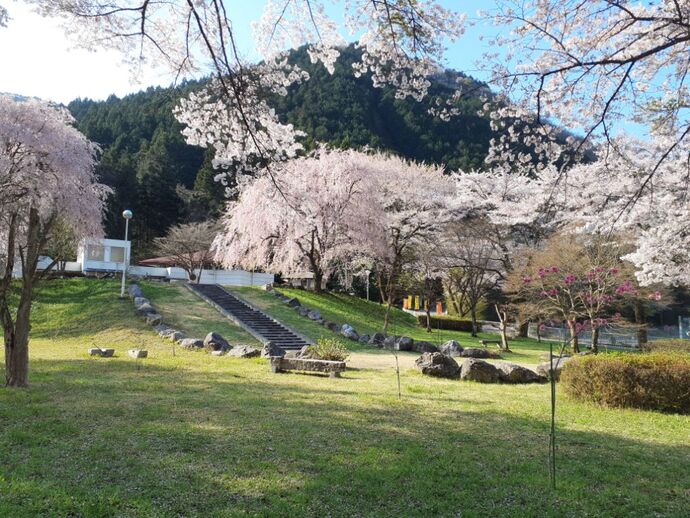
{"points": [[164, 181]]}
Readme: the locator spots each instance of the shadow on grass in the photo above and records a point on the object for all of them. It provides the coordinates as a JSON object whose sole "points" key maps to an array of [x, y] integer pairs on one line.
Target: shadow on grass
{"points": [[92, 438]]}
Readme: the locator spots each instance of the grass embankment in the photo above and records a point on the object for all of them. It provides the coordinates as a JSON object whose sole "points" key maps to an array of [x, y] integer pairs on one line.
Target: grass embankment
{"points": [[196, 435], [367, 318], [183, 310]]}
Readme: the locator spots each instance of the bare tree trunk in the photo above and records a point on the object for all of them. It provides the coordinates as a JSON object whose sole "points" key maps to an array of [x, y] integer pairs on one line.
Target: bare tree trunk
{"points": [[641, 321], [503, 319], [573, 337], [17, 347], [473, 316], [523, 328], [318, 280], [386, 316], [428, 318], [595, 340]]}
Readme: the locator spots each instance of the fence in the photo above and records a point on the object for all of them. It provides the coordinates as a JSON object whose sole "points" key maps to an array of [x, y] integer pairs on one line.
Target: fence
{"points": [[611, 336]]}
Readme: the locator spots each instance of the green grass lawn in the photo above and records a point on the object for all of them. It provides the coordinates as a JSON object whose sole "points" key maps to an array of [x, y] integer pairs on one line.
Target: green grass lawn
{"points": [[195, 435], [367, 317]]}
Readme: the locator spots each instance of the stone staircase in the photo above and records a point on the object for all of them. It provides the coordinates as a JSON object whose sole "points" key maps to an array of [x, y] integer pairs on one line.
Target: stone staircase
{"points": [[253, 320]]}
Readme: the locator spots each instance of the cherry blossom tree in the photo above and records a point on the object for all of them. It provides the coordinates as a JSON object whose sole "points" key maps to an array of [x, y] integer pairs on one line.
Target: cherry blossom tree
{"points": [[46, 174], [630, 192], [596, 65], [300, 224], [405, 206]]}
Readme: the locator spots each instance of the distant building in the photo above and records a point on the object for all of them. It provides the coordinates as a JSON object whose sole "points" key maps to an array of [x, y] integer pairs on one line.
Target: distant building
{"points": [[304, 280], [103, 255]]}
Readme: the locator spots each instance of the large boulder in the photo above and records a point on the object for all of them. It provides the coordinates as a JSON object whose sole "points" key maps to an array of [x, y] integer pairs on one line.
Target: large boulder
{"points": [[544, 369], [293, 302], [172, 334], [271, 350], [425, 347], [404, 343], [134, 291], [389, 342], [191, 343], [154, 319], [377, 339], [160, 327], [479, 370], [146, 309], [244, 351], [437, 364], [139, 301], [349, 332], [333, 326], [215, 342], [475, 352], [364, 339], [303, 312], [314, 314], [451, 348], [514, 373]]}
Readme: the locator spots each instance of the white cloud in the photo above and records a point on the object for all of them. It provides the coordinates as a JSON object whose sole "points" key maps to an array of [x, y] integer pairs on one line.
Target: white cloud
{"points": [[36, 59]]}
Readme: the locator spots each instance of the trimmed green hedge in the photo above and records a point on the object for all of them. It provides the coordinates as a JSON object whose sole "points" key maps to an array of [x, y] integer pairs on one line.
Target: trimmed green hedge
{"points": [[448, 324], [651, 381]]}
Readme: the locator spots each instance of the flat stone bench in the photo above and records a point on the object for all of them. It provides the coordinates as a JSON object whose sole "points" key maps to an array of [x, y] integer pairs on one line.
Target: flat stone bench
{"points": [[332, 368]]}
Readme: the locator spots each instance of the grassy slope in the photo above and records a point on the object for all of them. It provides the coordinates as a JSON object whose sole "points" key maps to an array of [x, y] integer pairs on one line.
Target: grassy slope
{"points": [[367, 317], [195, 435], [185, 311]]}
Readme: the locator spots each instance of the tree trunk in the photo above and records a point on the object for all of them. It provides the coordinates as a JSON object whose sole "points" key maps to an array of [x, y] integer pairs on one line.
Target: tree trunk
{"points": [[573, 337], [523, 329], [386, 316], [641, 321], [17, 354], [427, 308], [595, 340], [17, 339], [473, 316], [503, 319], [318, 280]]}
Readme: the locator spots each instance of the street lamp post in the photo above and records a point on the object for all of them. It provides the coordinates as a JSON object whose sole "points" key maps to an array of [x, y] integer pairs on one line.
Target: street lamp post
{"points": [[127, 214], [367, 273]]}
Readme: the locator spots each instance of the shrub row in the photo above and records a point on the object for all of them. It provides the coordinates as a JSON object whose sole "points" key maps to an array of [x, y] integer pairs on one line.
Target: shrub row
{"points": [[668, 345], [448, 324], [651, 381]]}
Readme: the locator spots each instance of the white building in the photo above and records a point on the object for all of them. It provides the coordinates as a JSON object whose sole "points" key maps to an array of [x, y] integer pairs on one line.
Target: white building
{"points": [[103, 255]]}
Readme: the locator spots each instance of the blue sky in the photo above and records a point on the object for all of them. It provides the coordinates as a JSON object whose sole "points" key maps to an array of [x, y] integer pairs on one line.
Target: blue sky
{"points": [[41, 61]]}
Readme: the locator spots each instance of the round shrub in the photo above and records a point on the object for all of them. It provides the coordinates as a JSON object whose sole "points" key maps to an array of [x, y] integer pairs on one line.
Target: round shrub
{"points": [[328, 349], [651, 381]]}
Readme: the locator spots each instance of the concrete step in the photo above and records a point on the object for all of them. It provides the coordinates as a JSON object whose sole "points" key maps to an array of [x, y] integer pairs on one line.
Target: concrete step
{"points": [[257, 323]]}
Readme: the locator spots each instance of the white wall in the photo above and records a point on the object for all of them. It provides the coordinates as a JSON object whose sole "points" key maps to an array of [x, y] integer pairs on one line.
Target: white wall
{"points": [[224, 277]]}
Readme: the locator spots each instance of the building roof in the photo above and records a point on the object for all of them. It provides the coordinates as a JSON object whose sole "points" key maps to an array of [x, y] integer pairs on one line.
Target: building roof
{"points": [[170, 261]]}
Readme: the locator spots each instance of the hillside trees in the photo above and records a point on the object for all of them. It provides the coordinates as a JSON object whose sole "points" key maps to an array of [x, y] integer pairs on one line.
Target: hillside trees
{"points": [[46, 176]]}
